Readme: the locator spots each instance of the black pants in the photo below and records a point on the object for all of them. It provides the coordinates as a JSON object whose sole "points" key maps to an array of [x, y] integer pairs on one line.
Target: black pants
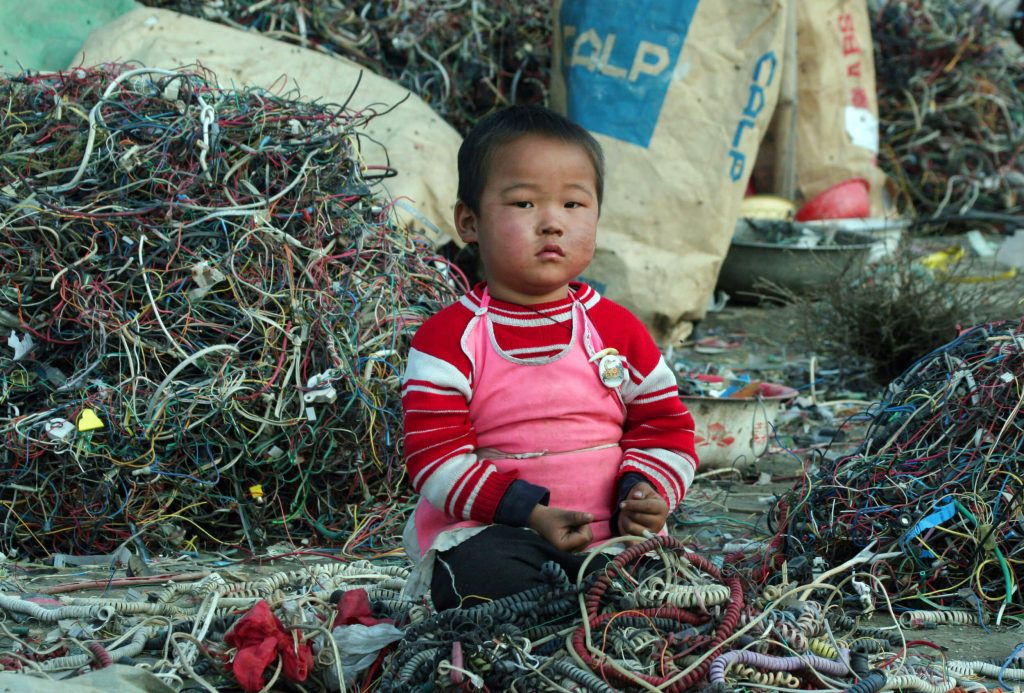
{"points": [[497, 562]]}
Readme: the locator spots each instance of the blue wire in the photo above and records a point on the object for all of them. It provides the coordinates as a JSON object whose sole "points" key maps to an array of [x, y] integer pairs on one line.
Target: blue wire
{"points": [[1006, 665]]}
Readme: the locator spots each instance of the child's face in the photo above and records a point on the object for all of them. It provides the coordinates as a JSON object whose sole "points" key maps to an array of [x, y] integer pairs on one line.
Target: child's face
{"points": [[537, 225]]}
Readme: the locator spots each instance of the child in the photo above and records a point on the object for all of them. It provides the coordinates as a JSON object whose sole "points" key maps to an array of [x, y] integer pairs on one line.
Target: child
{"points": [[540, 418]]}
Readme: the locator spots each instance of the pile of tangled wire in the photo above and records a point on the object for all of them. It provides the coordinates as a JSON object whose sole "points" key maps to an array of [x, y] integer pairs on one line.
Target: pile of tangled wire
{"points": [[937, 486], [205, 304], [463, 57], [214, 632], [655, 617], [951, 105]]}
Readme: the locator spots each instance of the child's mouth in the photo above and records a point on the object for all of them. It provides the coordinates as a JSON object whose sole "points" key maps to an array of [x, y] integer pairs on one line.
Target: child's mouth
{"points": [[551, 251]]}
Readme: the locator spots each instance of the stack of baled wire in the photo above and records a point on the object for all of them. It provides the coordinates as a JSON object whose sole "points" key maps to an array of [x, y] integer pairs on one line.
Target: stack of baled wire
{"points": [[936, 488], [951, 102], [463, 57], [204, 304]]}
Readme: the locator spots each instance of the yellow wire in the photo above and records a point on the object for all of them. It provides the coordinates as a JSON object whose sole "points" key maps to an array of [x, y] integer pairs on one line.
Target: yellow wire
{"points": [[948, 591], [10, 506], [981, 590], [925, 544], [953, 531], [208, 535]]}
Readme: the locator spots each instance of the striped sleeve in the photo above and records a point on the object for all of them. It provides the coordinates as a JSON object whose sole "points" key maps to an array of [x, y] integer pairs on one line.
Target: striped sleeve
{"points": [[658, 436], [440, 441]]}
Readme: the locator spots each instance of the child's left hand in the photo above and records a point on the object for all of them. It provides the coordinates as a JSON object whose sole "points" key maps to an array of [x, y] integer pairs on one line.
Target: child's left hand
{"points": [[644, 508]]}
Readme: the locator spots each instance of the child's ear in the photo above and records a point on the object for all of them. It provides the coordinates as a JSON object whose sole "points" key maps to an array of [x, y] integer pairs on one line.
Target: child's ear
{"points": [[465, 222]]}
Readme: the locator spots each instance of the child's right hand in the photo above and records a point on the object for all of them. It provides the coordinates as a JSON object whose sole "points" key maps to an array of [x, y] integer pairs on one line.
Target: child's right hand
{"points": [[568, 530]]}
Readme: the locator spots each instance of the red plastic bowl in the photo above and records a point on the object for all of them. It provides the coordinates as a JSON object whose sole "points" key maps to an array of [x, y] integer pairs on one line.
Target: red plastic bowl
{"points": [[845, 200]]}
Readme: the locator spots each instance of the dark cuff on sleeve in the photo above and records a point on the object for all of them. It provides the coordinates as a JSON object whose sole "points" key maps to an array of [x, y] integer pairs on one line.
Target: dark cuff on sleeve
{"points": [[626, 483], [515, 506]]}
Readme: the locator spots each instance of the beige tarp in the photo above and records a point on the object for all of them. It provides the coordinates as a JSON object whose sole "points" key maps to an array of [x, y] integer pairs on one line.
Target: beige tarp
{"points": [[117, 678], [421, 145], [679, 93]]}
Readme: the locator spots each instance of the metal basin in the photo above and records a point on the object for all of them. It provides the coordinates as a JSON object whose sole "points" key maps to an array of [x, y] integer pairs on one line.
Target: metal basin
{"points": [[798, 257]]}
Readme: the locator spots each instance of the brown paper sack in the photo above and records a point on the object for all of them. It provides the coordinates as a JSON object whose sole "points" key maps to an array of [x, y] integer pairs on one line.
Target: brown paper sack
{"points": [[837, 114], [679, 93], [412, 137]]}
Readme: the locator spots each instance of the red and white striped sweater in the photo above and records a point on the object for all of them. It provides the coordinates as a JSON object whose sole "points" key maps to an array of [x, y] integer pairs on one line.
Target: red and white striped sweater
{"points": [[440, 440]]}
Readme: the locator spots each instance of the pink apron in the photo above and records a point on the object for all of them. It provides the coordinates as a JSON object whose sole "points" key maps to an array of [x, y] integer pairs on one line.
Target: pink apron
{"points": [[553, 422]]}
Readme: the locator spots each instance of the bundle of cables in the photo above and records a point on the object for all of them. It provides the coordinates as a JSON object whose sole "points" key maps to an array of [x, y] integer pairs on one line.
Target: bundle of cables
{"points": [[937, 484], [655, 621], [463, 58], [205, 303], [951, 104]]}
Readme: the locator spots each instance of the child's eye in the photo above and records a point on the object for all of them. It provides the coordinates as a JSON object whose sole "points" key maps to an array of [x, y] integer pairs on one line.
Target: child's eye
{"points": [[573, 205], [523, 204]]}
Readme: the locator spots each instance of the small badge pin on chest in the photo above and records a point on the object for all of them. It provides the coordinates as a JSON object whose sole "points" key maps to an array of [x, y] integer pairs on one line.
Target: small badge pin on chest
{"points": [[610, 367]]}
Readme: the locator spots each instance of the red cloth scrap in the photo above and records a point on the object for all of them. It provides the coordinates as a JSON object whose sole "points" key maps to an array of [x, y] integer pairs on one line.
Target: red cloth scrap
{"points": [[260, 638]]}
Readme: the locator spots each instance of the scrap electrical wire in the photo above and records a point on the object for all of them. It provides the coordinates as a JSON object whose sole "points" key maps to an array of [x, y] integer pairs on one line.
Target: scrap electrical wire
{"points": [[204, 304], [463, 57], [658, 617], [655, 617], [951, 104], [213, 634], [937, 484]]}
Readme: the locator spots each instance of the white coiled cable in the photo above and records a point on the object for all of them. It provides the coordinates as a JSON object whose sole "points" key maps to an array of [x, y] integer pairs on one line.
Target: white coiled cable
{"points": [[126, 608], [910, 619], [133, 648], [655, 592], [191, 589], [910, 682], [324, 575], [322, 572], [987, 669], [54, 614]]}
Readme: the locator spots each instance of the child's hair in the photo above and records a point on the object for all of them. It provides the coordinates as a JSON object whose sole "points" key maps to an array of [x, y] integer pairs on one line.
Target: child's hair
{"points": [[501, 127]]}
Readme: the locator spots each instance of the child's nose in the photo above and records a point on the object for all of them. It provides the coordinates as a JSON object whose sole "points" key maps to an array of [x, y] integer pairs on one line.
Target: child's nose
{"points": [[552, 222]]}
